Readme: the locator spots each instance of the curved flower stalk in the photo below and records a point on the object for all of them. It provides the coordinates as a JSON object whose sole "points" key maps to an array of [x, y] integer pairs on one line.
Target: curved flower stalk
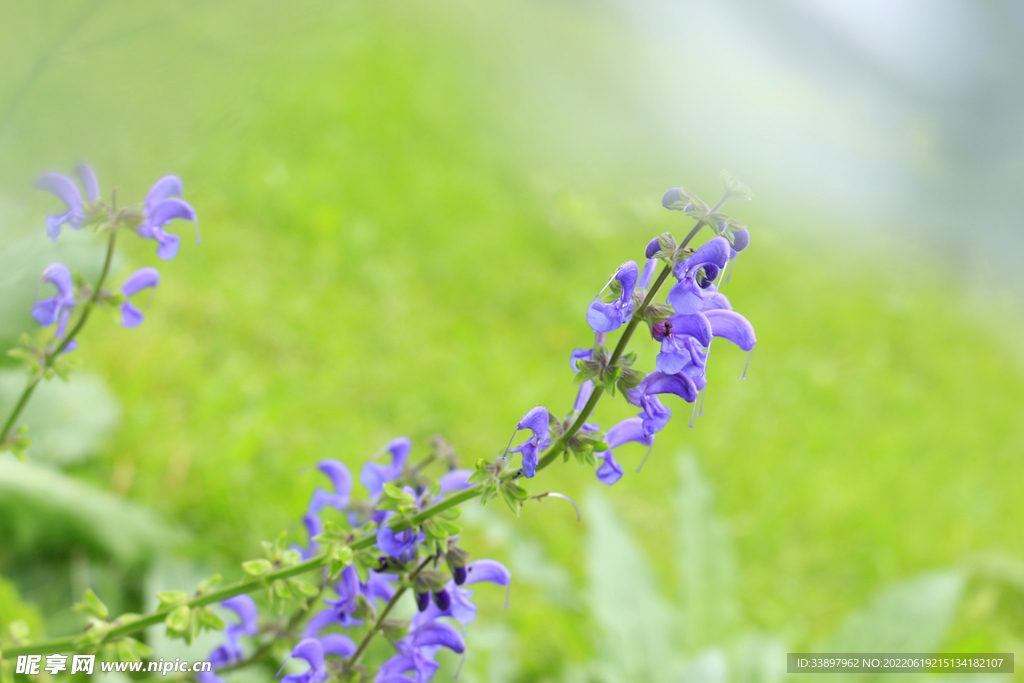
{"points": [[362, 553], [76, 298]]}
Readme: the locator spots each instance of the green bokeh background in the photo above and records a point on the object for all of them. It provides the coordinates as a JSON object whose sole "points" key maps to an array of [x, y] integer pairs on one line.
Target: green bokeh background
{"points": [[405, 210]]}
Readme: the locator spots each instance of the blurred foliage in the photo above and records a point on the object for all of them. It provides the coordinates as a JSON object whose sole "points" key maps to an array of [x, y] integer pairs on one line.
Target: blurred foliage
{"points": [[394, 246]]}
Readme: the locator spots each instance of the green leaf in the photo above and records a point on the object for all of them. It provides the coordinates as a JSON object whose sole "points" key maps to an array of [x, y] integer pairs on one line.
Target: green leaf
{"points": [[208, 620], [280, 590], [171, 598], [177, 620], [257, 567], [92, 606]]}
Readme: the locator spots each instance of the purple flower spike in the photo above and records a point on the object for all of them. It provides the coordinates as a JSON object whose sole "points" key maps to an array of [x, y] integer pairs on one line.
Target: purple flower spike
{"points": [[537, 421], [48, 311], [312, 651], [732, 326], [162, 205], [630, 430], [342, 480], [604, 317], [374, 476], [66, 190], [416, 653], [143, 278]]}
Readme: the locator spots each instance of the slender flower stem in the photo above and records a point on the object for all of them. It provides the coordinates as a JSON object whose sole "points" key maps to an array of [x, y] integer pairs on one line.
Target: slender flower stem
{"points": [[247, 586], [49, 358], [383, 615]]}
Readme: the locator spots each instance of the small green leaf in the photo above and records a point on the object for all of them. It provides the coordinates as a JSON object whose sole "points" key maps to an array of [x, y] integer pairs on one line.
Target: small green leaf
{"points": [[92, 606], [177, 620], [257, 567], [171, 598]]}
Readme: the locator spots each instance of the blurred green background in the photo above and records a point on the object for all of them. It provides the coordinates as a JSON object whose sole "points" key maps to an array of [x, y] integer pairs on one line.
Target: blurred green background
{"points": [[406, 208]]}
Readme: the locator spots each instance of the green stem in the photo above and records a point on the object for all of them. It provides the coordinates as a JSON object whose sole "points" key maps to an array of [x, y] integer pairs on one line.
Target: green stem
{"points": [[383, 615], [247, 586], [49, 358]]}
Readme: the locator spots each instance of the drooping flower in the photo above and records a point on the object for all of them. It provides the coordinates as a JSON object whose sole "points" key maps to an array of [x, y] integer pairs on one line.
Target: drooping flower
{"points": [[630, 430], [311, 650], [374, 475], [162, 205], [459, 606], [131, 316], [732, 326], [67, 191], [606, 317], [537, 420], [696, 274], [339, 475], [48, 311], [416, 653]]}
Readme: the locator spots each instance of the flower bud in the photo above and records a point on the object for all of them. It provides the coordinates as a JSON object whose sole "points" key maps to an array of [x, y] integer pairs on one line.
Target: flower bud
{"points": [[672, 199], [422, 601], [459, 575], [652, 248], [740, 239], [443, 600]]}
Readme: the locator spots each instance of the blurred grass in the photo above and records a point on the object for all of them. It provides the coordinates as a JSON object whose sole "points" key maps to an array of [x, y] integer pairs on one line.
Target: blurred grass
{"points": [[385, 255]]}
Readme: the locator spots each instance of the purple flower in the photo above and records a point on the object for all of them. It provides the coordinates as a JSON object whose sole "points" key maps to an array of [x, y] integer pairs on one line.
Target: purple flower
{"points": [[627, 431], [349, 588], [732, 326], [460, 608], [67, 191], [605, 317], [416, 653], [401, 545], [374, 476], [696, 274], [48, 311], [578, 355], [339, 475], [740, 239], [454, 480], [140, 279], [162, 205], [682, 337], [338, 645], [312, 651], [537, 421]]}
